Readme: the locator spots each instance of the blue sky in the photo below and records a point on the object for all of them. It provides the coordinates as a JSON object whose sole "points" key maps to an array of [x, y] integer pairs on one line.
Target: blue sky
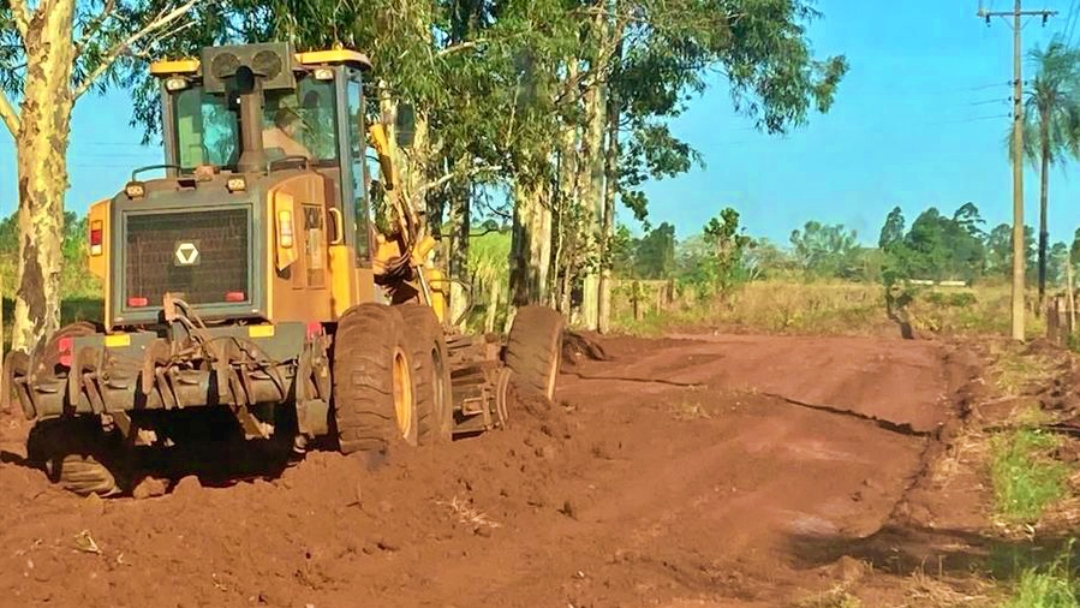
{"points": [[919, 121]]}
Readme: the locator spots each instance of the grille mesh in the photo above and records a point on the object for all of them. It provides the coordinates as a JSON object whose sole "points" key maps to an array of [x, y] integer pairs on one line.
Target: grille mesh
{"points": [[220, 267]]}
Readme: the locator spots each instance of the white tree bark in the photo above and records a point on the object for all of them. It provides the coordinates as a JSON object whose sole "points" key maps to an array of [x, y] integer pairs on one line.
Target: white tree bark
{"points": [[41, 129]]}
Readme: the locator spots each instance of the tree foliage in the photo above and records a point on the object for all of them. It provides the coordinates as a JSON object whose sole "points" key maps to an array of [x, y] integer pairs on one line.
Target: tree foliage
{"points": [[654, 254], [938, 247], [1051, 128], [503, 89], [825, 250]]}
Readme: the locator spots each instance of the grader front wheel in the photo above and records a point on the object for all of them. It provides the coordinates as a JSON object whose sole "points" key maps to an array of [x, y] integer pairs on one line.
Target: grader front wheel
{"points": [[534, 349], [434, 399], [374, 387]]}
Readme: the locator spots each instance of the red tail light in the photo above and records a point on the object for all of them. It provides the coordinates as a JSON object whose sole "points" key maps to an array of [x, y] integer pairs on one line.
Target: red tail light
{"points": [[65, 345], [235, 296], [137, 302], [97, 234]]}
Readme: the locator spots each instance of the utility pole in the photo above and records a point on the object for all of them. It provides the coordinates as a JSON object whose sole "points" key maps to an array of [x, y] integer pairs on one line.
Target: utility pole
{"points": [[1019, 259]]}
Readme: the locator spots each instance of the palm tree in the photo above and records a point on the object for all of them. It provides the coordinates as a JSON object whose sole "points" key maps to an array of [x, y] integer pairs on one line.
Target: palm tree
{"points": [[1051, 124]]}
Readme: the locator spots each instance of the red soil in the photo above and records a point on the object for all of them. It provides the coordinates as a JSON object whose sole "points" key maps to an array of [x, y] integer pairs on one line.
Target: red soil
{"points": [[706, 472]]}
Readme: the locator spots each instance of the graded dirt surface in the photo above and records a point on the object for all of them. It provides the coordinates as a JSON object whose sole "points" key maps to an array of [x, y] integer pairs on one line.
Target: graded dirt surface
{"points": [[702, 471]]}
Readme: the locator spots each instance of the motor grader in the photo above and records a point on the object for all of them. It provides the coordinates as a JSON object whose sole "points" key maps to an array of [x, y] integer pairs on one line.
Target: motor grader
{"points": [[252, 278]]}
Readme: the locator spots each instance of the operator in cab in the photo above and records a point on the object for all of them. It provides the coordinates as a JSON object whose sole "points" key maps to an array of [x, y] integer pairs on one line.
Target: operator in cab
{"points": [[284, 133]]}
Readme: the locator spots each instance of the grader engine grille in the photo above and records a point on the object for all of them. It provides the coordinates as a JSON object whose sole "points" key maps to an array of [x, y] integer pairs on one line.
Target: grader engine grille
{"points": [[201, 255]]}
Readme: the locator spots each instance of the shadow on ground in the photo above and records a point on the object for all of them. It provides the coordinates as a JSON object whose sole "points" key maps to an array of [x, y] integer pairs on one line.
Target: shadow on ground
{"points": [[903, 550]]}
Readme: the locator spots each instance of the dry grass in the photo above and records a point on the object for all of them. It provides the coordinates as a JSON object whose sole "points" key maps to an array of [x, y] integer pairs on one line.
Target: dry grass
{"points": [[688, 410], [1015, 371], [85, 543], [690, 406], [965, 454], [828, 307], [836, 597], [925, 590], [467, 514]]}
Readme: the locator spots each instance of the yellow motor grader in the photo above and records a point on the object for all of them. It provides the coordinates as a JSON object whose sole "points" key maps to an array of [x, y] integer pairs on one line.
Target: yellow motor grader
{"points": [[251, 279]]}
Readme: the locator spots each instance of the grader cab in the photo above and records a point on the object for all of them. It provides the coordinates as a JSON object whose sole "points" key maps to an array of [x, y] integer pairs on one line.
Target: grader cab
{"points": [[252, 279]]}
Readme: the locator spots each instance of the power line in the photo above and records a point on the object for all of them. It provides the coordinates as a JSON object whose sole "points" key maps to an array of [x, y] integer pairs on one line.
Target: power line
{"points": [[971, 89], [1070, 22], [967, 120]]}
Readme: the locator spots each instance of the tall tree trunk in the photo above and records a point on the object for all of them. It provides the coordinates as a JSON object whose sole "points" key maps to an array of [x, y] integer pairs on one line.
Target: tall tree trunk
{"points": [[41, 145], [494, 287], [563, 222], [592, 192], [611, 190], [459, 249], [1044, 188], [607, 224], [531, 245]]}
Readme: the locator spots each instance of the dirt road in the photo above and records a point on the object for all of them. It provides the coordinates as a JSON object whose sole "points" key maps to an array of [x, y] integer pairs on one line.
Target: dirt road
{"points": [[680, 472]]}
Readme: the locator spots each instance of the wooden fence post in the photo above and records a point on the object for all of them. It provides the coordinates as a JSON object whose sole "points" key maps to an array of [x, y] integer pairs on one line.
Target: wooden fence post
{"points": [[1072, 297], [635, 298]]}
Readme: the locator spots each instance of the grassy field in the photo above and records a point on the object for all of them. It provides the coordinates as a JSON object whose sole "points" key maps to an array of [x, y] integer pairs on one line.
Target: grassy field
{"points": [[825, 307], [775, 306], [1026, 479]]}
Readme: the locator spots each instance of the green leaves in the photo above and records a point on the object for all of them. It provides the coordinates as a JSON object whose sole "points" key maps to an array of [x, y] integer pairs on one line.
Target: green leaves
{"points": [[825, 250], [892, 233], [1052, 105], [939, 247], [773, 76]]}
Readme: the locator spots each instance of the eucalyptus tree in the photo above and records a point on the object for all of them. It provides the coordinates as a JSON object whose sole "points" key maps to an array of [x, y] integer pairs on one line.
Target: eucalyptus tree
{"points": [[563, 103], [52, 52]]}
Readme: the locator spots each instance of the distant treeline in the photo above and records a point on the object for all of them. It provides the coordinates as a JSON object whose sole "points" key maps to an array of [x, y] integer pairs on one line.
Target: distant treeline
{"points": [[935, 247]]}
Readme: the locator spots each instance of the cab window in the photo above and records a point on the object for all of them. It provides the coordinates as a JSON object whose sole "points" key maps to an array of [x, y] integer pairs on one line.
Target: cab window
{"points": [[354, 103], [206, 130], [302, 122]]}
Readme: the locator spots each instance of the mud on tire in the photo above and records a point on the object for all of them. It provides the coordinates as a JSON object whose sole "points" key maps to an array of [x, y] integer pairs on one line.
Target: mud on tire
{"points": [[427, 348], [374, 388], [77, 455], [534, 349]]}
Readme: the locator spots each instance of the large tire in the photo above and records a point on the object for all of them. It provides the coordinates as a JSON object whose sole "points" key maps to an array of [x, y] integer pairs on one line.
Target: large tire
{"points": [[430, 359], [534, 349], [374, 389], [76, 455]]}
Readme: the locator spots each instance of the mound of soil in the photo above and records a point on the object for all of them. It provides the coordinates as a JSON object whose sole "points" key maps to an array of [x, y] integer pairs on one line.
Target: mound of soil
{"points": [[579, 346]]}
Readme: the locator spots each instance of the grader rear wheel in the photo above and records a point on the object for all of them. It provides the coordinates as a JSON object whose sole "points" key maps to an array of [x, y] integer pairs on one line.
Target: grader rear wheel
{"points": [[77, 455], [427, 348], [534, 349], [374, 387]]}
